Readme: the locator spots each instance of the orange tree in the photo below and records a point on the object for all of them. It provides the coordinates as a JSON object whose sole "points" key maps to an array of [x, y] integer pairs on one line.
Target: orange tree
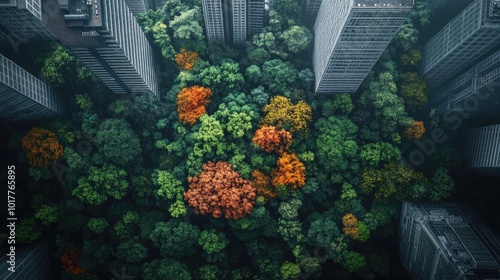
{"points": [[42, 147], [70, 260], [415, 131], [282, 113], [262, 184], [220, 190], [350, 223], [191, 103], [186, 60], [289, 172], [270, 139]]}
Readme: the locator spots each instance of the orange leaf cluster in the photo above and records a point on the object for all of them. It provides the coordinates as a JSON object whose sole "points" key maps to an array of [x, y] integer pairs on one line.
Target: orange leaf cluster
{"points": [[350, 223], [415, 131], [186, 60], [281, 112], [191, 103], [290, 172], [262, 184], [219, 190], [70, 261], [42, 147], [270, 139]]}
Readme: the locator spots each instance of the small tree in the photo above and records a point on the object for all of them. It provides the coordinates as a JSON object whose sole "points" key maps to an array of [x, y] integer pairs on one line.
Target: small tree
{"points": [[42, 147]]}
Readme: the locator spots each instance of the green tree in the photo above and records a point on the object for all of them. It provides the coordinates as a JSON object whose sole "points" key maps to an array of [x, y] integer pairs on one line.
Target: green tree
{"points": [[441, 185], [373, 154], [47, 214], [161, 269], [131, 251], [297, 38], [188, 31], [171, 189], [253, 74], [117, 142], [97, 225], [279, 76], [414, 91], [289, 270], [27, 231], [102, 182], [223, 78], [174, 238], [354, 261], [339, 104]]}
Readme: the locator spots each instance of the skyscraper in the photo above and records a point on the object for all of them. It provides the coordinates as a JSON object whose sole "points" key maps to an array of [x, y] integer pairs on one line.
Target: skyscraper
{"points": [[472, 91], [23, 97], [350, 36], [481, 148], [311, 9], [214, 20], [255, 17], [231, 21], [25, 18], [435, 4], [474, 32], [447, 241], [137, 6], [106, 37], [32, 263]]}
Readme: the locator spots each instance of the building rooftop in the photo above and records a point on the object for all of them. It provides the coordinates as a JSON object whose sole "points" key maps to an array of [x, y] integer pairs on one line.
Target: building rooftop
{"points": [[383, 3]]}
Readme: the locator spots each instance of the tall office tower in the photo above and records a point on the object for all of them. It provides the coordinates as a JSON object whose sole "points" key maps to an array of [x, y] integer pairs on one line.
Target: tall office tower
{"points": [[25, 18], [312, 8], [23, 97], [481, 149], [350, 36], [32, 263], [106, 37], [473, 92], [471, 34], [447, 241], [447, 4], [230, 21], [214, 20], [239, 21], [255, 16], [137, 6]]}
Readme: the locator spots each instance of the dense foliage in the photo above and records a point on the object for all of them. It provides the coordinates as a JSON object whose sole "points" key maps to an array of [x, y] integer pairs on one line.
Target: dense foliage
{"points": [[238, 171]]}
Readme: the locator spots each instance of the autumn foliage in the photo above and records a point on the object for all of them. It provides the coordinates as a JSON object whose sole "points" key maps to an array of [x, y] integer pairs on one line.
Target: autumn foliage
{"points": [[42, 147], [415, 131], [282, 113], [70, 261], [350, 223], [186, 60], [270, 139], [290, 171], [262, 184], [220, 190], [191, 103]]}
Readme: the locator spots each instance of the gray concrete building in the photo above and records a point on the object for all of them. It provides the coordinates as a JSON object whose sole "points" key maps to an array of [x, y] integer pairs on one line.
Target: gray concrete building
{"points": [[473, 92], [447, 4], [470, 35], [447, 241], [25, 18], [350, 36], [32, 263], [481, 149], [138, 6], [311, 9], [23, 97], [106, 37], [233, 21], [214, 20], [255, 17]]}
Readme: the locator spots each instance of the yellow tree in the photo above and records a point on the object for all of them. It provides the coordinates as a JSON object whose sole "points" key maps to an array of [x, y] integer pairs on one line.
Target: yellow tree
{"points": [[186, 60], [415, 131], [290, 172], [282, 113], [351, 228]]}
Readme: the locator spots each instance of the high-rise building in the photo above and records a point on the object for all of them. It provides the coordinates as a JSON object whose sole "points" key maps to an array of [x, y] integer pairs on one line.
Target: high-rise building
{"points": [[481, 148], [255, 16], [447, 241], [25, 18], [436, 4], [311, 9], [473, 91], [23, 97], [350, 36], [106, 37], [137, 6], [32, 263], [239, 21], [214, 20], [231, 21], [474, 32]]}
